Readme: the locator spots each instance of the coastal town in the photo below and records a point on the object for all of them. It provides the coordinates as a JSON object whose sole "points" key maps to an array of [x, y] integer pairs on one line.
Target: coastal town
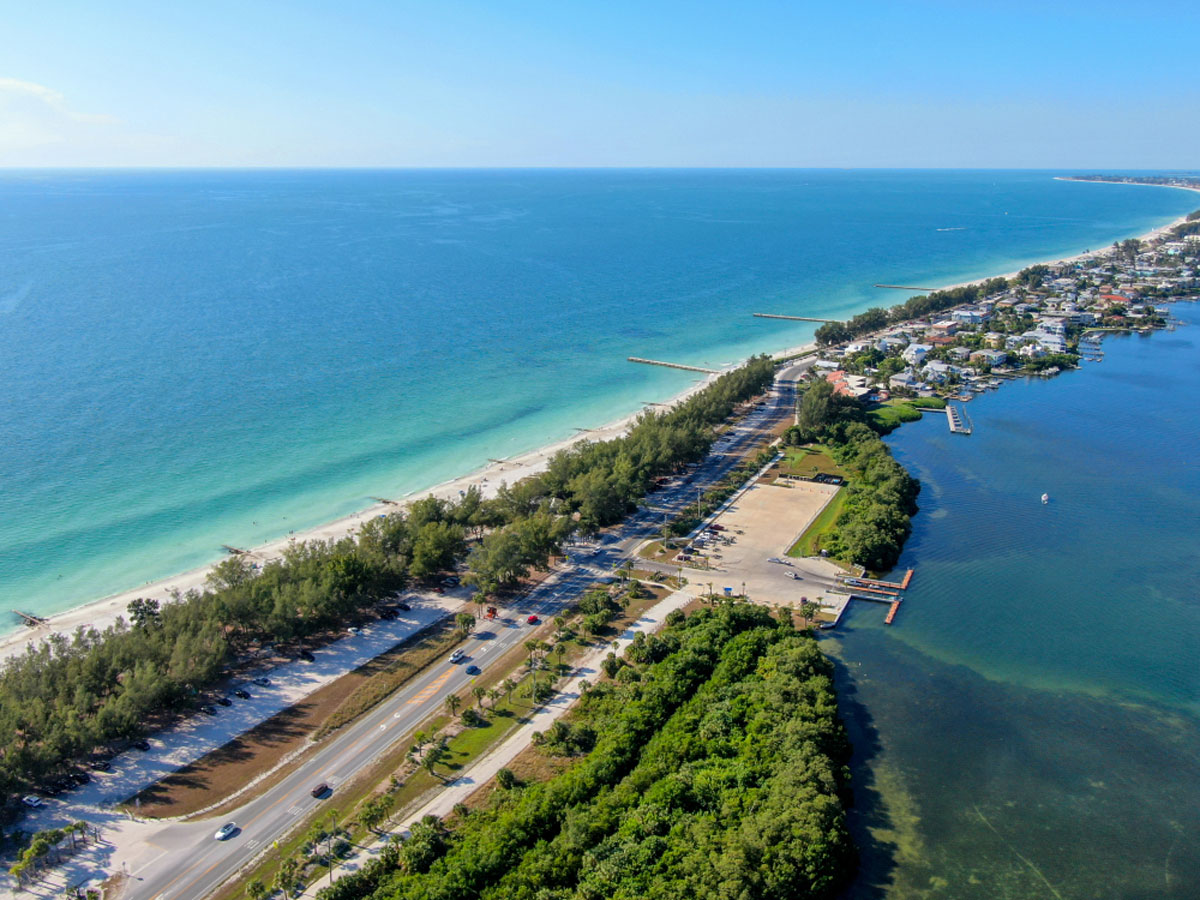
{"points": [[1046, 318]]}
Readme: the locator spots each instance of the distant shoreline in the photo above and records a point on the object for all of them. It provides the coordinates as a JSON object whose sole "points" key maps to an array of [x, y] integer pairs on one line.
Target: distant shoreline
{"points": [[102, 612]]}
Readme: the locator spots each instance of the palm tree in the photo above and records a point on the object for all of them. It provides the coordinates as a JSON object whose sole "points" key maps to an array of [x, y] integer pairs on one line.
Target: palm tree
{"points": [[809, 611], [453, 702], [480, 693], [373, 811], [509, 686], [493, 695], [285, 878], [256, 890], [465, 622]]}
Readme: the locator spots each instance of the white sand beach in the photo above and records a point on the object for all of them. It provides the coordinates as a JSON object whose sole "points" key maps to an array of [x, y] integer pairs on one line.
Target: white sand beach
{"points": [[102, 613]]}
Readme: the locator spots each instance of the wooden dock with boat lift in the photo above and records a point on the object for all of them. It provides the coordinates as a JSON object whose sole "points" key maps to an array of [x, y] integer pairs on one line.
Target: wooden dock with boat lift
{"points": [[671, 365], [958, 420], [791, 318], [891, 616], [901, 586]]}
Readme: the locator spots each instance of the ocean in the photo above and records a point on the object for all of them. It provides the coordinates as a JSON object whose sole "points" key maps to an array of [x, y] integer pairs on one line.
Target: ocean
{"points": [[193, 359], [1030, 726]]}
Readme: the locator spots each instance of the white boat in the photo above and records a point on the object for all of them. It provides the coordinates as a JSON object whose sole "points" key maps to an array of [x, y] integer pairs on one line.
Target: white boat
{"points": [[1045, 498]]}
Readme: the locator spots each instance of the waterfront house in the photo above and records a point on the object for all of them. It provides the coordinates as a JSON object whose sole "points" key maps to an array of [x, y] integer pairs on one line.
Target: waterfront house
{"points": [[989, 357], [904, 379], [914, 354]]}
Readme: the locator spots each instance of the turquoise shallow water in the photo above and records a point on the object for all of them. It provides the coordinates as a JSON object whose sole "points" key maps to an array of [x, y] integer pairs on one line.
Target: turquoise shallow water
{"points": [[198, 358], [1031, 725]]}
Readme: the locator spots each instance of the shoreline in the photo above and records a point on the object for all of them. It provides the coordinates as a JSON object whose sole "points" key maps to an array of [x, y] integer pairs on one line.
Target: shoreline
{"points": [[102, 612]]}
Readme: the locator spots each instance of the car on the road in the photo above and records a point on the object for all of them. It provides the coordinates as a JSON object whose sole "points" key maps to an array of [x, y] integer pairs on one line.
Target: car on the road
{"points": [[449, 582], [403, 607], [100, 765], [80, 778], [224, 701], [457, 655], [307, 656], [321, 790], [208, 710], [388, 613], [226, 831], [241, 694], [533, 620], [142, 745], [354, 629], [32, 801], [263, 681], [473, 670], [715, 527], [439, 590]]}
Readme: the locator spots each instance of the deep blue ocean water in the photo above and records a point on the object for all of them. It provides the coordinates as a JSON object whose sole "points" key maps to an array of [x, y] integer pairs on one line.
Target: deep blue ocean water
{"points": [[198, 358], [1030, 726]]}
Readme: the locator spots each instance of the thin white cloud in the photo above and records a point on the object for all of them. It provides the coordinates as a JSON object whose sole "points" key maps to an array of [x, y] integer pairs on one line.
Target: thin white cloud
{"points": [[53, 99]]}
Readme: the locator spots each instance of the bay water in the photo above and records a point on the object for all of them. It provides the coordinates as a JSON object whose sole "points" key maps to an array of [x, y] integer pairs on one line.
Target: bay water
{"points": [[1030, 726]]}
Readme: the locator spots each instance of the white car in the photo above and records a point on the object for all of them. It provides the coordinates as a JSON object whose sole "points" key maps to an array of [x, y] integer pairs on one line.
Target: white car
{"points": [[456, 656], [225, 831], [31, 801]]}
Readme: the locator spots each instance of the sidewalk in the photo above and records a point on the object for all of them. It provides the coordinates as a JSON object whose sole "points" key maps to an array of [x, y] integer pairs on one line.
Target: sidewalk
{"points": [[486, 767]]}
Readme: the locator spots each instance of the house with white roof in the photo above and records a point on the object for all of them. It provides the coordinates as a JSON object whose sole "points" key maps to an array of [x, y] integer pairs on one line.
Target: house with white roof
{"points": [[914, 354]]}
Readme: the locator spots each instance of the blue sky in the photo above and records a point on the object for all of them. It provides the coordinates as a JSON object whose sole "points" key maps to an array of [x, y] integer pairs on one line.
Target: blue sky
{"points": [[514, 83]]}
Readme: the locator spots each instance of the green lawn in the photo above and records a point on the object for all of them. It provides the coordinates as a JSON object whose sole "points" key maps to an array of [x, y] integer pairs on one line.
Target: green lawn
{"points": [[807, 461], [810, 542]]}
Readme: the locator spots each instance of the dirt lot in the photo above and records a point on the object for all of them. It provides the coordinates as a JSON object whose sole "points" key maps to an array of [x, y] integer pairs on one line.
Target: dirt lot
{"points": [[770, 517]]}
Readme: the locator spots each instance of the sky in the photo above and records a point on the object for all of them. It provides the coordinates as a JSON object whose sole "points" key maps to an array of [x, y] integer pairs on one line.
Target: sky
{"points": [[974, 84]]}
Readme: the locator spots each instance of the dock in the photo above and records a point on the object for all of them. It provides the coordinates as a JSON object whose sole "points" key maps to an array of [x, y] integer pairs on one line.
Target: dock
{"points": [[903, 287], [29, 618], [878, 591], [671, 365], [890, 585], [957, 419], [234, 551], [791, 318]]}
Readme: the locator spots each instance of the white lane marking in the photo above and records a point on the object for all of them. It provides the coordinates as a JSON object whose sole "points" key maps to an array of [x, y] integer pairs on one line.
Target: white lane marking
{"points": [[250, 845], [293, 810]]}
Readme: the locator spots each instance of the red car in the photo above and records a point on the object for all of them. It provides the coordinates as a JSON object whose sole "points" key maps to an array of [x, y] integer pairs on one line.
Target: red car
{"points": [[532, 620]]}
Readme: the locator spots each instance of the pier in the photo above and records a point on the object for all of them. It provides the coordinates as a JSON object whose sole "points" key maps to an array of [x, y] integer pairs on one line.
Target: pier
{"points": [[957, 419], [29, 618], [791, 318], [891, 616], [903, 287], [671, 365]]}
